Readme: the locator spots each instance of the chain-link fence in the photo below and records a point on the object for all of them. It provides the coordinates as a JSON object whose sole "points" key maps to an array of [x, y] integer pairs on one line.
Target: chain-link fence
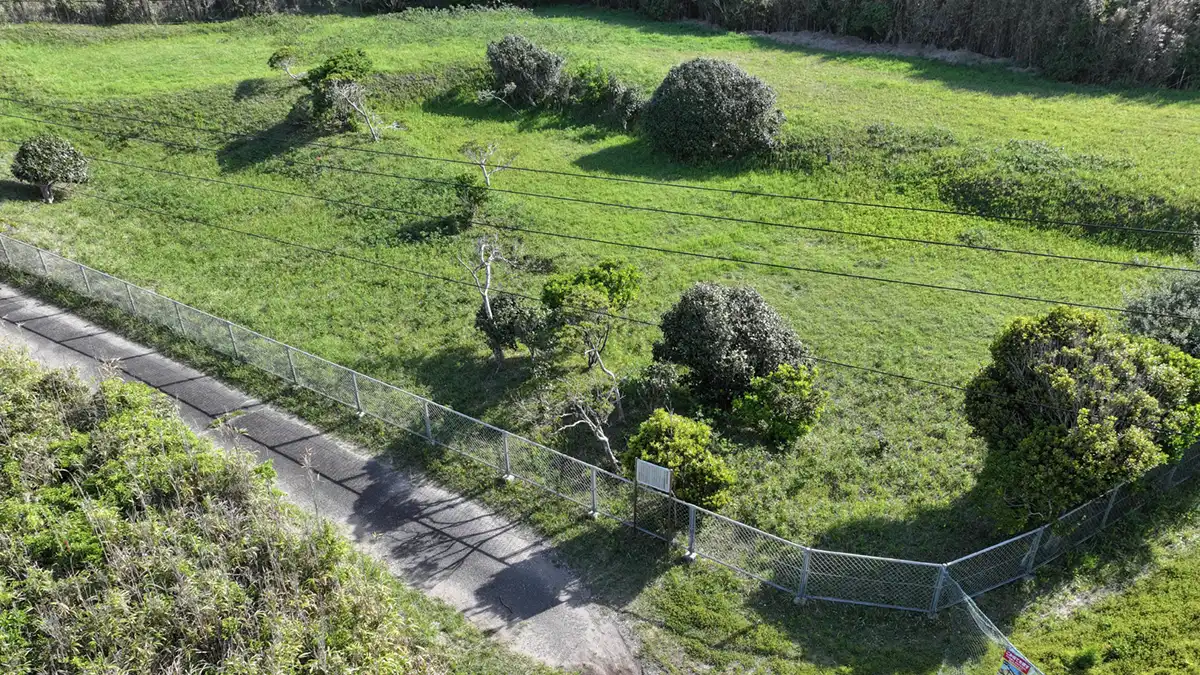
{"points": [[806, 573]]}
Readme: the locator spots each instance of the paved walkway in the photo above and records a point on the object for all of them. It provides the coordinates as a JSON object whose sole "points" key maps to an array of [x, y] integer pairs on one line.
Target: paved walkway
{"points": [[502, 577]]}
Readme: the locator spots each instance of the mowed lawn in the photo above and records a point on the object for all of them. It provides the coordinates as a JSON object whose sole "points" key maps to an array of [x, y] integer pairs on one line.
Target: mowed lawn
{"points": [[890, 468]]}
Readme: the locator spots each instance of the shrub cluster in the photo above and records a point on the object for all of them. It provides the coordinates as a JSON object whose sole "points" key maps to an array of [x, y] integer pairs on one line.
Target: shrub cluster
{"points": [[1070, 407], [707, 109], [726, 336], [684, 446], [130, 545]]}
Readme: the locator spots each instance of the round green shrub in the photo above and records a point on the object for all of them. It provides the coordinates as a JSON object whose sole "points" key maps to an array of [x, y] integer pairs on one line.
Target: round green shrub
{"points": [[1177, 294], [46, 161], [783, 406], [684, 446], [348, 65], [526, 74], [1070, 407], [707, 109], [619, 283], [726, 336]]}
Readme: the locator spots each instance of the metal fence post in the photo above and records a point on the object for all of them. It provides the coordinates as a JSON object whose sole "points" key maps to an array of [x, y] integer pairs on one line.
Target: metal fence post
{"points": [[129, 296], [802, 593], [232, 341], [179, 320], [1112, 499], [937, 590], [87, 284], [691, 554], [1031, 556], [506, 462], [428, 425], [357, 395], [42, 260], [291, 364], [595, 513], [4, 247]]}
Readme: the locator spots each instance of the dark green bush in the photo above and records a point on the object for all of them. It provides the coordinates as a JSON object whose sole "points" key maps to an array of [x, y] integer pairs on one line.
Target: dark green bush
{"points": [[726, 336], [707, 110], [1177, 294], [597, 92], [782, 406], [46, 161], [684, 446], [1070, 407], [513, 321], [471, 198], [526, 75]]}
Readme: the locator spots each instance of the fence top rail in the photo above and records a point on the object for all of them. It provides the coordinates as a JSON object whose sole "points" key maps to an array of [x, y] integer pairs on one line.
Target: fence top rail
{"points": [[861, 556], [989, 549]]}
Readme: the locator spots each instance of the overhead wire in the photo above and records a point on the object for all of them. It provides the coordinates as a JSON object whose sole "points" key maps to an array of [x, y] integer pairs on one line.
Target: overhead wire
{"points": [[633, 207], [637, 181]]}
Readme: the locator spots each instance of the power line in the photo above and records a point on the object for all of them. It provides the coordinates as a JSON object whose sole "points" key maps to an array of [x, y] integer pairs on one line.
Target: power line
{"points": [[636, 181], [632, 207], [633, 320], [705, 256]]}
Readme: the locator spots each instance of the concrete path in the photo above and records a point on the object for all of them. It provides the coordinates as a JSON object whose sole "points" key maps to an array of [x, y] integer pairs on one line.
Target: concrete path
{"points": [[502, 577]]}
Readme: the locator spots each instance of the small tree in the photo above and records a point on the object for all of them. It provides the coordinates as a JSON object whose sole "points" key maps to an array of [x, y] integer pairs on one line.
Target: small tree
{"points": [[586, 301], [618, 282], [1175, 294], [47, 161], [684, 446], [350, 101], [726, 336], [285, 59], [483, 156], [498, 332], [593, 411], [1069, 408], [710, 110], [512, 322], [784, 405], [524, 74], [328, 84]]}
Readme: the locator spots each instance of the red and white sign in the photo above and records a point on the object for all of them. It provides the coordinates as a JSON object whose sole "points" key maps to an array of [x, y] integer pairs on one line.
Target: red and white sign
{"points": [[1014, 664]]}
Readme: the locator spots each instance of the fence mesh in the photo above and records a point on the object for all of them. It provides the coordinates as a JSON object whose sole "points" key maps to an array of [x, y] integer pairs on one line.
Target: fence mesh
{"points": [[767, 558], [976, 646], [866, 580], [825, 575]]}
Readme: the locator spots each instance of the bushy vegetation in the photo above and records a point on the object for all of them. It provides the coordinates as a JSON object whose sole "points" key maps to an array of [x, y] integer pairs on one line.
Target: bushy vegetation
{"points": [[525, 74], [708, 109], [130, 545], [616, 281], [726, 336], [685, 446], [1071, 407], [782, 406], [47, 161], [329, 108], [1163, 311]]}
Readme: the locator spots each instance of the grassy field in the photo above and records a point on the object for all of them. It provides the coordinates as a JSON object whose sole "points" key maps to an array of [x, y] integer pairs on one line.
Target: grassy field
{"points": [[890, 468]]}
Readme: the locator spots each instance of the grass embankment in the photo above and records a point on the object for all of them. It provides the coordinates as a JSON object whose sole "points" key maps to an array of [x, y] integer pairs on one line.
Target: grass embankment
{"points": [[130, 545], [888, 469]]}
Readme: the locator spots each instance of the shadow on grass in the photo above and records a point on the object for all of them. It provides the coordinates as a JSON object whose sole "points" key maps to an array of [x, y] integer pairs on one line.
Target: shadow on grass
{"points": [[11, 190], [465, 378]]}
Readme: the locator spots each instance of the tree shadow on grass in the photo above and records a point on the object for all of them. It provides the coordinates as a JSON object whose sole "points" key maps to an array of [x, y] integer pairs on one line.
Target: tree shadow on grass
{"points": [[273, 142], [467, 379], [14, 191], [639, 159]]}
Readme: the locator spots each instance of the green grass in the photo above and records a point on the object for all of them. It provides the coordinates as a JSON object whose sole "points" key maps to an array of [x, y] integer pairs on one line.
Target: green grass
{"points": [[890, 468]]}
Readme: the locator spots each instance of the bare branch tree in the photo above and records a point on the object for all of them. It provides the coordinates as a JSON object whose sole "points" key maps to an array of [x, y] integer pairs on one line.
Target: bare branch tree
{"points": [[483, 156], [353, 95], [481, 267], [592, 412]]}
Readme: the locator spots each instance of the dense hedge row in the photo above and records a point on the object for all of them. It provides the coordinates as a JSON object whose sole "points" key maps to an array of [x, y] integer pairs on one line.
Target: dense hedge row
{"points": [[1146, 41]]}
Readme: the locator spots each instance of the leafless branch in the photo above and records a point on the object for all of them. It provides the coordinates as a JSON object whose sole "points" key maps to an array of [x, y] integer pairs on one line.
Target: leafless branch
{"points": [[483, 156]]}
